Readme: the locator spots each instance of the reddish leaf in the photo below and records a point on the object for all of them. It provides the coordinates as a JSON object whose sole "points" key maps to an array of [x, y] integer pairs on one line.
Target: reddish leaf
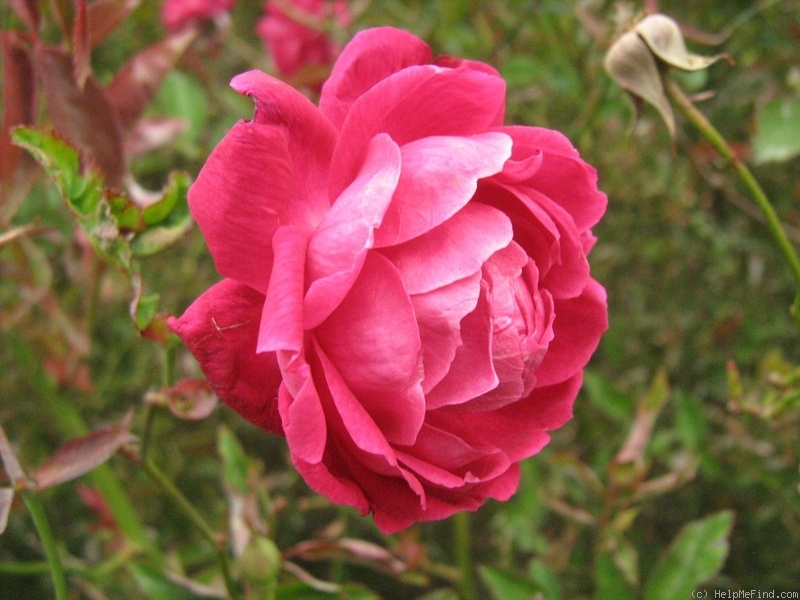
{"points": [[9, 459], [28, 11], [84, 116], [137, 82], [95, 501], [153, 132], [355, 550], [64, 12], [6, 498], [17, 168], [80, 455], [105, 16], [81, 50]]}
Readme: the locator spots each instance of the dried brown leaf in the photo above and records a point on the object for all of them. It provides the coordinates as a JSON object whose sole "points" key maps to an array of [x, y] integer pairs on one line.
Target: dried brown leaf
{"points": [[664, 38], [136, 84], [86, 117], [80, 455]]}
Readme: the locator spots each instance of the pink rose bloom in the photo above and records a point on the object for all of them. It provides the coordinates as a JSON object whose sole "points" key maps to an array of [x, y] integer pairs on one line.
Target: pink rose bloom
{"points": [[289, 39], [177, 13], [406, 297]]}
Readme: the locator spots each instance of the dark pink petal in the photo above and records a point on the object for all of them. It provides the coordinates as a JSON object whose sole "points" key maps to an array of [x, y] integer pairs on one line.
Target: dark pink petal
{"points": [[282, 318], [178, 13], [472, 371], [455, 249], [371, 56], [239, 200], [339, 245], [221, 329], [577, 328], [373, 341], [562, 176], [518, 429], [439, 314], [412, 104], [311, 140], [304, 421], [332, 478], [439, 176]]}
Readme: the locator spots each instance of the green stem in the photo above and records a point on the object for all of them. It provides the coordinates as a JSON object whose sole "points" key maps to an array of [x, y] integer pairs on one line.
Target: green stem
{"points": [[35, 508], [463, 550], [710, 133], [171, 490]]}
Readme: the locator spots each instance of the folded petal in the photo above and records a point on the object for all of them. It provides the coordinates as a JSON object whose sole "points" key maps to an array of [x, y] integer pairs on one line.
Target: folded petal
{"points": [[455, 249], [239, 200], [311, 140], [371, 56], [562, 176], [439, 313], [578, 326], [373, 340], [412, 104], [282, 317], [339, 245], [472, 370], [439, 176], [221, 329]]}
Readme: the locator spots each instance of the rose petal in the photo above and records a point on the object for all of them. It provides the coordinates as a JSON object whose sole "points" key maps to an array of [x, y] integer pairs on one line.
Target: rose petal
{"points": [[303, 421], [239, 200], [339, 245], [439, 314], [439, 176], [373, 340], [412, 104], [282, 318], [371, 56], [577, 328], [472, 371], [221, 328], [455, 249], [310, 135]]}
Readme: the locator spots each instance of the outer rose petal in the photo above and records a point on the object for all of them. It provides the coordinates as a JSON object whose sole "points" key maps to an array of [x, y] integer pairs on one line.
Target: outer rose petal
{"points": [[239, 199], [221, 329], [371, 56], [177, 13], [311, 139], [578, 326]]}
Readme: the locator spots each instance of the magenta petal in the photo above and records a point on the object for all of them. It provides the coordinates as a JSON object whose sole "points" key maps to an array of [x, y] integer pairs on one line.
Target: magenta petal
{"points": [[563, 176], [455, 249], [439, 176], [282, 318], [311, 140], [577, 328], [439, 314], [413, 104], [332, 481], [373, 341], [221, 328], [239, 197], [472, 371], [303, 421], [371, 56], [339, 245]]}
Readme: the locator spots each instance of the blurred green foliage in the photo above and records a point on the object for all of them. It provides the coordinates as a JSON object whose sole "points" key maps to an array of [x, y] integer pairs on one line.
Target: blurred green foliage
{"points": [[700, 360]]}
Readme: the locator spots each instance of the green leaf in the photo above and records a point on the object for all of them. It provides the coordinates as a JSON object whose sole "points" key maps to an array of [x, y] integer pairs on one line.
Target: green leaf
{"points": [[158, 586], [777, 130], [506, 585], [302, 591], [696, 555], [545, 578], [608, 398], [234, 460], [146, 310], [609, 579], [182, 96]]}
